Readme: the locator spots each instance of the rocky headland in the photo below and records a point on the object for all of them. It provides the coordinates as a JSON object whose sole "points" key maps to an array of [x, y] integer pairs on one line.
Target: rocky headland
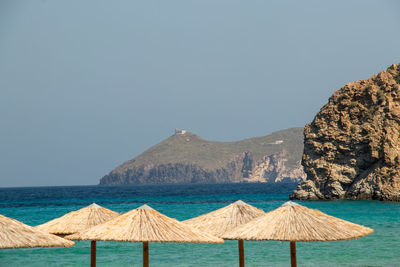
{"points": [[352, 147], [187, 158]]}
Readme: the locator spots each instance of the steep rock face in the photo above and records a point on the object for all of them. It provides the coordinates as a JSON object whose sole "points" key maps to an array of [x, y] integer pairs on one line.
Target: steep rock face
{"points": [[352, 147], [272, 168], [187, 158], [166, 174]]}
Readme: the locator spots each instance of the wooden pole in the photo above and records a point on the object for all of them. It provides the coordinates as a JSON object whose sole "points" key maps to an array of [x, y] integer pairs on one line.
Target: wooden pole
{"points": [[93, 253], [145, 254], [293, 253], [241, 253]]}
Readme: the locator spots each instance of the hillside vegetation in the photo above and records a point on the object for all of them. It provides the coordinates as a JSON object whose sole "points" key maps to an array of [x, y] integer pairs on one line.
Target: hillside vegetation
{"points": [[191, 153]]}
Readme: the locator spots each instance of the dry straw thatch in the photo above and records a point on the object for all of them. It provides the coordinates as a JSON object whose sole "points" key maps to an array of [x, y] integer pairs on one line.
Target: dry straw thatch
{"points": [[79, 220], [293, 222], [15, 234], [220, 221], [145, 224], [225, 219]]}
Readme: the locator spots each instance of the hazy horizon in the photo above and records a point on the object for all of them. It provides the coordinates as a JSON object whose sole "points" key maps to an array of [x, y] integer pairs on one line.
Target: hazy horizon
{"points": [[88, 85]]}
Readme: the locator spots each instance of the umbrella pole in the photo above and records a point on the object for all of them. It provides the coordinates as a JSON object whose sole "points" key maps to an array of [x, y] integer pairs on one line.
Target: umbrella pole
{"points": [[93, 253], [293, 253], [145, 254], [241, 253]]}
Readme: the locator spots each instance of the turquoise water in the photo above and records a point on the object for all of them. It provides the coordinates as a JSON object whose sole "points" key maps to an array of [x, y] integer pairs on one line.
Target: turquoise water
{"points": [[34, 206]]}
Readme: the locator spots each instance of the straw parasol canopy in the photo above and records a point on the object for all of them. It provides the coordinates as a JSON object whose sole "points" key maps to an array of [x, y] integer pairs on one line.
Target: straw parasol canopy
{"points": [[80, 220], [293, 222], [15, 234], [225, 219], [145, 224], [220, 221]]}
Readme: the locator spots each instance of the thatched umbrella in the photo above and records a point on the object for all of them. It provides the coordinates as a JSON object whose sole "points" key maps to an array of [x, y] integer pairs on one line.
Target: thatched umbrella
{"points": [[79, 220], [15, 234], [293, 222], [145, 224], [225, 219]]}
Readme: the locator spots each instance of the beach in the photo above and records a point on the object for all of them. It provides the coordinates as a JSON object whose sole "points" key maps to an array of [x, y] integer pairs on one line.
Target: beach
{"points": [[34, 206]]}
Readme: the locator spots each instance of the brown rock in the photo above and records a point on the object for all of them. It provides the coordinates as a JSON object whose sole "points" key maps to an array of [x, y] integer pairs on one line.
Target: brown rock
{"points": [[352, 147]]}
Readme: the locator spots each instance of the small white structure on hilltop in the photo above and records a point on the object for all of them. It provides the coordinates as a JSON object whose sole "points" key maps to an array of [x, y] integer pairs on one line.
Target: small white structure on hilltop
{"points": [[177, 131]]}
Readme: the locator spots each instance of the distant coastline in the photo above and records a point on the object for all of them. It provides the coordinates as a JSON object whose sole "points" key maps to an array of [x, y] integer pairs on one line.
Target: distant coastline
{"points": [[185, 158]]}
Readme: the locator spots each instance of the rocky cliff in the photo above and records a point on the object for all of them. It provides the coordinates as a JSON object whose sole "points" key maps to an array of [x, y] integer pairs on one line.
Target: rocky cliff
{"points": [[352, 147], [187, 158]]}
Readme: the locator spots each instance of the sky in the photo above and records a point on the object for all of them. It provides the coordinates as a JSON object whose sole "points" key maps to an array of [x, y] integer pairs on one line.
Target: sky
{"points": [[86, 85]]}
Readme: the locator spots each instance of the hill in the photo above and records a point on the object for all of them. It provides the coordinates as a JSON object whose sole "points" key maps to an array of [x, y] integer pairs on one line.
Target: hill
{"points": [[187, 158]]}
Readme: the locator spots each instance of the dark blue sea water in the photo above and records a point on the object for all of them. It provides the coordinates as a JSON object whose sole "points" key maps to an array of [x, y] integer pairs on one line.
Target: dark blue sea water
{"points": [[37, 205]]}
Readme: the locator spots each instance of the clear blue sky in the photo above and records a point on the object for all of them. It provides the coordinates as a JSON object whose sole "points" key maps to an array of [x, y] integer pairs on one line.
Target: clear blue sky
{"points": [[87, 84]]}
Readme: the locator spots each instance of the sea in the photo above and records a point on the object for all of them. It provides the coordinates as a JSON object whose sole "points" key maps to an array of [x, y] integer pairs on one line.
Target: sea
{"points": [[37, 205]]}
